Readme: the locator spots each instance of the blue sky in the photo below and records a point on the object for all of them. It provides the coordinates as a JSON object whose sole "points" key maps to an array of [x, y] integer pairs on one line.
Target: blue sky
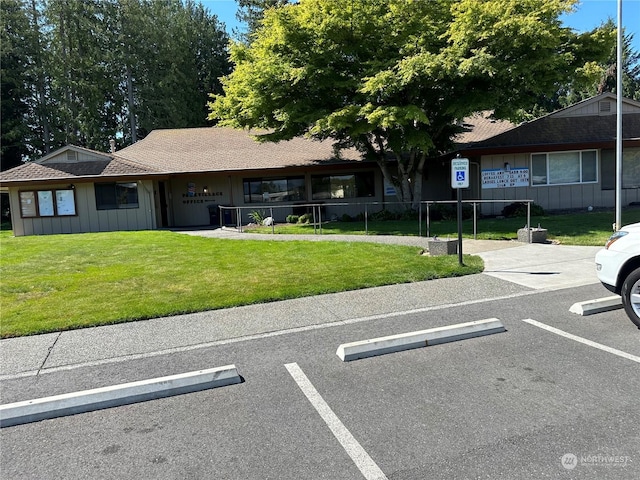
{"points": [[590, 14]]}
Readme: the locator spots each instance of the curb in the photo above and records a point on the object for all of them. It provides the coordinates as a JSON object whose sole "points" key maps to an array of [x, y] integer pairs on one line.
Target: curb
{"points": [[597, 306], [113, 396], [423, 338]]}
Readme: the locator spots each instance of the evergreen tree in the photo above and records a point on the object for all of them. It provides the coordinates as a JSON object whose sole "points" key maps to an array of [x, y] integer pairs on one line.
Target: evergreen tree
{"points": [[251, 12], [86, 71], [14, 54]]}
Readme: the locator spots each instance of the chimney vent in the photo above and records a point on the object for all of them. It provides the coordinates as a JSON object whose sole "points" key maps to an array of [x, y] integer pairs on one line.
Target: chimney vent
{"points": [[112, 143]]}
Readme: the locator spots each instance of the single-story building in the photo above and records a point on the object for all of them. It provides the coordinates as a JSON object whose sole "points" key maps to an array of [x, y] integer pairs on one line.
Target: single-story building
{"points": [[564, 160], [180, 177]]}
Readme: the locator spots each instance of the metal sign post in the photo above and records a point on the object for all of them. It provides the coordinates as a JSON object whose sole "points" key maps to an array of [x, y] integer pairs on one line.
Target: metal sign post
{"points": [[460, 180]]}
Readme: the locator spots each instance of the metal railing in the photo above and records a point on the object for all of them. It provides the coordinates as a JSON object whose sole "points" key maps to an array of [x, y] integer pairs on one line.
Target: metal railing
{"points": [[317, 208]]}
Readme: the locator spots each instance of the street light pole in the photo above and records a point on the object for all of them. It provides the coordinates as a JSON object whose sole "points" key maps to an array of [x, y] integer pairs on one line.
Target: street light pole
{"points": [[618, 223]]}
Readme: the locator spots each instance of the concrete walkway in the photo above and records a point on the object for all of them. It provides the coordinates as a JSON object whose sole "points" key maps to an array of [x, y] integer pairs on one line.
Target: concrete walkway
{"points": [[511, 268]]}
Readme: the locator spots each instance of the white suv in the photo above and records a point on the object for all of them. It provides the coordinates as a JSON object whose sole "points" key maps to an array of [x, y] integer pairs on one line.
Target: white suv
{"points": [[618, 267]]}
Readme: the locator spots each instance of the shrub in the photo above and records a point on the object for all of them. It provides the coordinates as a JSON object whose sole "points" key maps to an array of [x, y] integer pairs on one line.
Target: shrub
{"points": [[449, 212], [346, 218], [258, 216], [306, 218], [519, 209], [293, 218], [442, 212], [408, 214], [382, 215]]}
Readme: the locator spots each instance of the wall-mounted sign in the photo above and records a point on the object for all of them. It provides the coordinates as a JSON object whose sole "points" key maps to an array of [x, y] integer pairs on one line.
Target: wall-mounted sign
{"points": [[500, 178], [188, 199], [45, 202], [28, 204], [65, 202], [389, 189]]}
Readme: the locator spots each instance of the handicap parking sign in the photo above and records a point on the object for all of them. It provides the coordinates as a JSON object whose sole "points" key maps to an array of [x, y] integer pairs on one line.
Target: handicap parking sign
{"points": [[460, 173]]}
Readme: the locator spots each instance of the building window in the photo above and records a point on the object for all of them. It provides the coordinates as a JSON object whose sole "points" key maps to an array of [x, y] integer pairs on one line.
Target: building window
{"points": [[47, 203], [274, 189], [631, 168], [324, 187], [113, 196], [564, 168]]}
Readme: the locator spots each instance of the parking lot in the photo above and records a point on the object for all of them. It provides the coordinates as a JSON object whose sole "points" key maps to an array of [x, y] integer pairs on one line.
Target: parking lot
{"points": [[527, 403]]}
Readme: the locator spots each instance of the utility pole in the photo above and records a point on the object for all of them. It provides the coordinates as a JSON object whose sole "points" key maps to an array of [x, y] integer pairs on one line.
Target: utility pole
{"points": [[618, 223]]}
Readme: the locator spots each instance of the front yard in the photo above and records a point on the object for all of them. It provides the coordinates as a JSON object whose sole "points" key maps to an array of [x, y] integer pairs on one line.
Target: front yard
{"points": [[58, 282]]}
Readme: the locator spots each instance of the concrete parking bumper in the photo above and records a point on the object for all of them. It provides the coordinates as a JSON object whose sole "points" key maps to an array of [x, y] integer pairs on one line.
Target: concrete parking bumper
{"points": [[88, 400], [598, 305], [423, 338]]}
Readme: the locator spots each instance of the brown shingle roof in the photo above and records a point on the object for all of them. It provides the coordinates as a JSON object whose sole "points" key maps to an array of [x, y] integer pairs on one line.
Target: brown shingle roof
{"points": [[224, 149], [67, 171], [481, 126], [557, 131]]}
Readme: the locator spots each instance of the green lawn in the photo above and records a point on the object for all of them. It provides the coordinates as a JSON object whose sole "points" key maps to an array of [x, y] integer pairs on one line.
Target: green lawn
{"points": [[592, 228], [57, 282]]}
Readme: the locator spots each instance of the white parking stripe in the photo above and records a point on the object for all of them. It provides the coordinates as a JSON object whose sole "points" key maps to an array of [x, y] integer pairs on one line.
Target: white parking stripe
{"points": [[599, 346], [360, 457]]}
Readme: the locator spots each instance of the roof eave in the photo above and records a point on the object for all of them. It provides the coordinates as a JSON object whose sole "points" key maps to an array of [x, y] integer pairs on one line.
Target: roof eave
{"points": [[494, 150], [80, 179]]}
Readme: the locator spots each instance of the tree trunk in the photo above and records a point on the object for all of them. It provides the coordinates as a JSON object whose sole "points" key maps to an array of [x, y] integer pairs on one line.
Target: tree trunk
{"points": [[41, 96], [417, 182], [132, 116]]}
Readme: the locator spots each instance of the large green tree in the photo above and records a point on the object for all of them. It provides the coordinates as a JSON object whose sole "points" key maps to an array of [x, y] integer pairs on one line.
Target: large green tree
{"points": [[393, 77], [14, 50], [602, 77], [595, 77], [86, 71], [251, 13]]}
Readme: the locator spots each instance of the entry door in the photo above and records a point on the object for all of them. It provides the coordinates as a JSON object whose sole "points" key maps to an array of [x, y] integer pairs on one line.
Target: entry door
{"points": [[164, 206]]}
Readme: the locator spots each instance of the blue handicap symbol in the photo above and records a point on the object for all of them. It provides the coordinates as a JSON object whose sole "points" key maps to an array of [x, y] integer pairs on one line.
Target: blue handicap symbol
{"points": [[460, 176]]}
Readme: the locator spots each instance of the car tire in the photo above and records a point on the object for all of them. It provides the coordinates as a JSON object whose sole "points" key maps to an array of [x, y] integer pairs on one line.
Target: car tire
{"points": [[631, 288]]}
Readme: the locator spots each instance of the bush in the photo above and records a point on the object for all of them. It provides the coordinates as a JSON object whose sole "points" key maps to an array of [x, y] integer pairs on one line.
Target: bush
{"points": [[258, 216], [293, 218], [408, 214], [519, 209], [346, 218], [306, 218], [382, 215], [449, 212]]}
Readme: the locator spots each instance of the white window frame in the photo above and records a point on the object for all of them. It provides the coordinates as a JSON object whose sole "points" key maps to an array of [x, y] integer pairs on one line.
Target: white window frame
{"points": [[580, 182]]}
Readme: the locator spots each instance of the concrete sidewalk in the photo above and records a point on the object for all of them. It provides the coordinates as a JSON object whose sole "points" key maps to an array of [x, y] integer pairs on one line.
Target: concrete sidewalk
{"points": [[511, 268]]}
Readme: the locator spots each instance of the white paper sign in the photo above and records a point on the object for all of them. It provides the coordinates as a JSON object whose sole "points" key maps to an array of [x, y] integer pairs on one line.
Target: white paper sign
{"points": [[516, 177], [65, 202], [45, 202]]}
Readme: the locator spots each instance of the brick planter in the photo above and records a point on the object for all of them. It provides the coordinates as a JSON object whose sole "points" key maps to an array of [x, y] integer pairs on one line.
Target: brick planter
{"points": [[538, 235], [443, 247]]}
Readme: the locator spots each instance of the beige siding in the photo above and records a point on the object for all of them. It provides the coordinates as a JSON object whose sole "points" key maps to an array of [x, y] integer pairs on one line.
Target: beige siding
{"points": [[227, 190], [193, 211], [73, 156], [87, 218], [553, 197]]}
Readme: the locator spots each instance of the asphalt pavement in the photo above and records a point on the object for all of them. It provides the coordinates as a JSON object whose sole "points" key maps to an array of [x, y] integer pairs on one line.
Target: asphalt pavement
{"points": [[511, 268]]}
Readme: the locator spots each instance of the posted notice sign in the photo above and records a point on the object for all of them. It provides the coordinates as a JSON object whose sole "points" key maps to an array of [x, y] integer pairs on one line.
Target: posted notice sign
{"points": [[460, 173]]}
